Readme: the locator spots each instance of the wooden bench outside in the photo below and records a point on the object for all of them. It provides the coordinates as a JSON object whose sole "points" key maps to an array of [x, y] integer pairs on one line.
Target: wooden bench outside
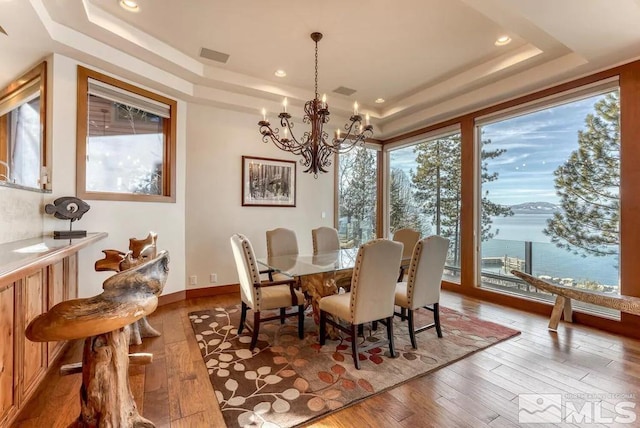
{"points": [[628, 304]]}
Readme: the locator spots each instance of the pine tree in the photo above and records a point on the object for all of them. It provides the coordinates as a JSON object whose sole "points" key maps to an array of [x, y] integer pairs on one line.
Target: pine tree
{"points": [[403, 210], [588, 186], [437, 180], [359, 193]]}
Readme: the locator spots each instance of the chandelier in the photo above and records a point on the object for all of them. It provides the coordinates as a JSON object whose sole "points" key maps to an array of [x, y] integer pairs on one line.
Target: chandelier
{"points": [[314, 148]]}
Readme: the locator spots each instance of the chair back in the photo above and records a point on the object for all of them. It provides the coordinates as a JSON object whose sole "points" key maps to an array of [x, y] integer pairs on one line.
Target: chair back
{"points": [[374, 280], [247, 267], [425, 271], [325, 239], [281, 242], [409, 238]]}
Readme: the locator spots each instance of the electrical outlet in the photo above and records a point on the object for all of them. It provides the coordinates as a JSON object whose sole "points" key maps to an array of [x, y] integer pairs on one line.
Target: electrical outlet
{"points": [[213, 278], [193, 280]]}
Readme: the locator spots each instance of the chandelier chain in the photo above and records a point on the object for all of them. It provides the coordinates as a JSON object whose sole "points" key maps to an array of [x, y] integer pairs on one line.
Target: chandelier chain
{"points": [[316, 70]]}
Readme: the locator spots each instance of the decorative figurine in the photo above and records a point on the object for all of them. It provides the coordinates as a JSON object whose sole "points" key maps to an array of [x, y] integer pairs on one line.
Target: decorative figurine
{"points": [[68, 208]]}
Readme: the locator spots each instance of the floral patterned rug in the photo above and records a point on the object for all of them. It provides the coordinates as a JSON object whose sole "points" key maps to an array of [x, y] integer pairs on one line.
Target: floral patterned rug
{"points": [[286, 382]]}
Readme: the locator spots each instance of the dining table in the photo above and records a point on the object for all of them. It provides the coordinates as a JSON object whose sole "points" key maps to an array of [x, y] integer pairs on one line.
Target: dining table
{"points": [[319, 275]]}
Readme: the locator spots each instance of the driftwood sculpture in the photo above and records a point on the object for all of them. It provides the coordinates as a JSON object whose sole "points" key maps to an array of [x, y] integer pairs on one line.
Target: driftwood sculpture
{"points": [[628, 304], [103, 321], [140, 251]]}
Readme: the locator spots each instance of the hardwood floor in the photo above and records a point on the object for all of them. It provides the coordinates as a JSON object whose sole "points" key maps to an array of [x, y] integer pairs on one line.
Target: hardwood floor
{"points": [[478, 391]]}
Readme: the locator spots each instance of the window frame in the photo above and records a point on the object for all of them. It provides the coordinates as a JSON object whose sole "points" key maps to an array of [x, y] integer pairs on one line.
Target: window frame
{"points": [[537, 105], [169, 131], [37, 72]]}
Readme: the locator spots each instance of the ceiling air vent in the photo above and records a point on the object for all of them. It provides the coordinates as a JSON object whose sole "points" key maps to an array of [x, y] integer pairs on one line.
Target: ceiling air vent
{"points": [[344, 91], [214, 55], [2, 30]]}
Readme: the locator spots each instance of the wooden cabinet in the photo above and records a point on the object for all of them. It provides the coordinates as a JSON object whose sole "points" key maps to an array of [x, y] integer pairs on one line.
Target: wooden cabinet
{"points": [[58, 291], [31, 282], [34, 355], [8, 400]]}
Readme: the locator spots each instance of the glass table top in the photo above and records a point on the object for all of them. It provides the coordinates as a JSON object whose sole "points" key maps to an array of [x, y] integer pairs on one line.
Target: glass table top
{"points": [[299, 264]]}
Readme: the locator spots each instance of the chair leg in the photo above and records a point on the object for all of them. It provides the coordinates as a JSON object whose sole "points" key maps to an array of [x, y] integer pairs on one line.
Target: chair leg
{"points": [[243, 317], [412, 331], [323, 327], [403, 314], [374, 325], [256, 329], [283, 312], [354, 344], [436, 318], [392, 350], [301, 321], [361, 330]]}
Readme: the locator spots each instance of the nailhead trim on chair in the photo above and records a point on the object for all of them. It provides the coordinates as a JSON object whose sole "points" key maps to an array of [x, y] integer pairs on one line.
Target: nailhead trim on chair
{"points": [[255, 275], [413, 270], [356, 275]]}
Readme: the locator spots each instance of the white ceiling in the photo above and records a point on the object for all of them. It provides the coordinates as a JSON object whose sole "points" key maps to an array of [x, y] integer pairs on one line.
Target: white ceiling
{"points": [[430, 59]]}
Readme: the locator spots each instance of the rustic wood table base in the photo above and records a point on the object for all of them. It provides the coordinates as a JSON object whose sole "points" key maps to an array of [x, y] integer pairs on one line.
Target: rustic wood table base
{"points": [[321, 285]]}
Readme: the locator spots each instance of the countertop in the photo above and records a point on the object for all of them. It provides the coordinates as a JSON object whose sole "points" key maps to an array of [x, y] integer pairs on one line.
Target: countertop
{"points": [[18, 257]]}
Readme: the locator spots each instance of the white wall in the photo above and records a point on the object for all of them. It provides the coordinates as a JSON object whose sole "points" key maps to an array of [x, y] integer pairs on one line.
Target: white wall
{"points": [[121, 220], [216, 141], [20, 214]]}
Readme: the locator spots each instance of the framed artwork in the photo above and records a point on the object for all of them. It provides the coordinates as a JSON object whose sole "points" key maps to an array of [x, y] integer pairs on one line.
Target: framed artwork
{"points": [[268, 182]]}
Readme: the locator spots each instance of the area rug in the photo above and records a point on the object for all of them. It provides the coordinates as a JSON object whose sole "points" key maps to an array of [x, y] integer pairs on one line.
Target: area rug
{"points": [[286, 381]]}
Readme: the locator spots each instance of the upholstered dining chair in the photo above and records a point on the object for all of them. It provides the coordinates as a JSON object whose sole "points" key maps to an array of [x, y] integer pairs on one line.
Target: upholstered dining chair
{"points": [[325, 239], [422, 287], [259, 295], [371, 296], [280, 242], [409, 238]]}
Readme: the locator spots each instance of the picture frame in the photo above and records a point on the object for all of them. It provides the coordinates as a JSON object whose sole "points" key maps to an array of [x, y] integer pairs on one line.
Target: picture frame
{"points": [[268, 182]]}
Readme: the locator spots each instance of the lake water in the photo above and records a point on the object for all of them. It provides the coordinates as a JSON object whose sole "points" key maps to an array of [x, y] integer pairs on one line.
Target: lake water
{"points": [[547, 259]]}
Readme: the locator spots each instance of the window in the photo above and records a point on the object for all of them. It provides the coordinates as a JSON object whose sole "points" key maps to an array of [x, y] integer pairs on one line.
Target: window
{"points": [[22, 130], [424, 192], [126, 141], [550, 196], [357, 196]]}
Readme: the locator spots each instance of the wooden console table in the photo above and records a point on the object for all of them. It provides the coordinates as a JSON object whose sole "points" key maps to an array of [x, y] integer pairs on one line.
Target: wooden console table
{"points": [[35, 275]]}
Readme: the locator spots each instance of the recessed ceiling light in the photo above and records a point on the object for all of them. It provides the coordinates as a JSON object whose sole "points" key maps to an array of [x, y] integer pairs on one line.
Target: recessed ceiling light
{"points": [[130, 5], [379, 100], [503, 40], [280, 73]]}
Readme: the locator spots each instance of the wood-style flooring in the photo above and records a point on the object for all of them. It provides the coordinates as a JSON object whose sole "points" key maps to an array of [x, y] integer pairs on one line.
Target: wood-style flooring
{"points": [[478, 391]]}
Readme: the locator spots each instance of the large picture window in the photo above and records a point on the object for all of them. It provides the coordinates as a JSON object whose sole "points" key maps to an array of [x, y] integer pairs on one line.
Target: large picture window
{"points": [[126, 141], [424, 192], [554, 173]]}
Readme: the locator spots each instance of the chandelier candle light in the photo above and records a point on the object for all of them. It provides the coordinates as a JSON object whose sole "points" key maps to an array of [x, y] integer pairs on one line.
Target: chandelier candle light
{"points": [[314, 148]]}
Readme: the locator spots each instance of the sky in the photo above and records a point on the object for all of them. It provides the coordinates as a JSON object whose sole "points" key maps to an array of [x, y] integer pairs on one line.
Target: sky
{"points": [[536, 144]]}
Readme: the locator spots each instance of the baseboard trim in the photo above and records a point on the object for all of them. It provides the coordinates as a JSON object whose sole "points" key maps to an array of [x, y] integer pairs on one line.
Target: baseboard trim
{"points": [[213, 291], [171, 298]]}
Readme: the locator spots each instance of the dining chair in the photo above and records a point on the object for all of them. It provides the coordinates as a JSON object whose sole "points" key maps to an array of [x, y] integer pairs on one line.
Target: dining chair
{"points": [[409, 238], [325, 239], [259, 295], [371, 296], [422, 287], [280, 242]]}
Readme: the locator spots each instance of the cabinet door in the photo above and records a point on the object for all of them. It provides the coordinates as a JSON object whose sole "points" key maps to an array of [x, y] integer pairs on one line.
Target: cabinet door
{"points": [[7, 354], [56, 294], [71, 276], [34, 354]]}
